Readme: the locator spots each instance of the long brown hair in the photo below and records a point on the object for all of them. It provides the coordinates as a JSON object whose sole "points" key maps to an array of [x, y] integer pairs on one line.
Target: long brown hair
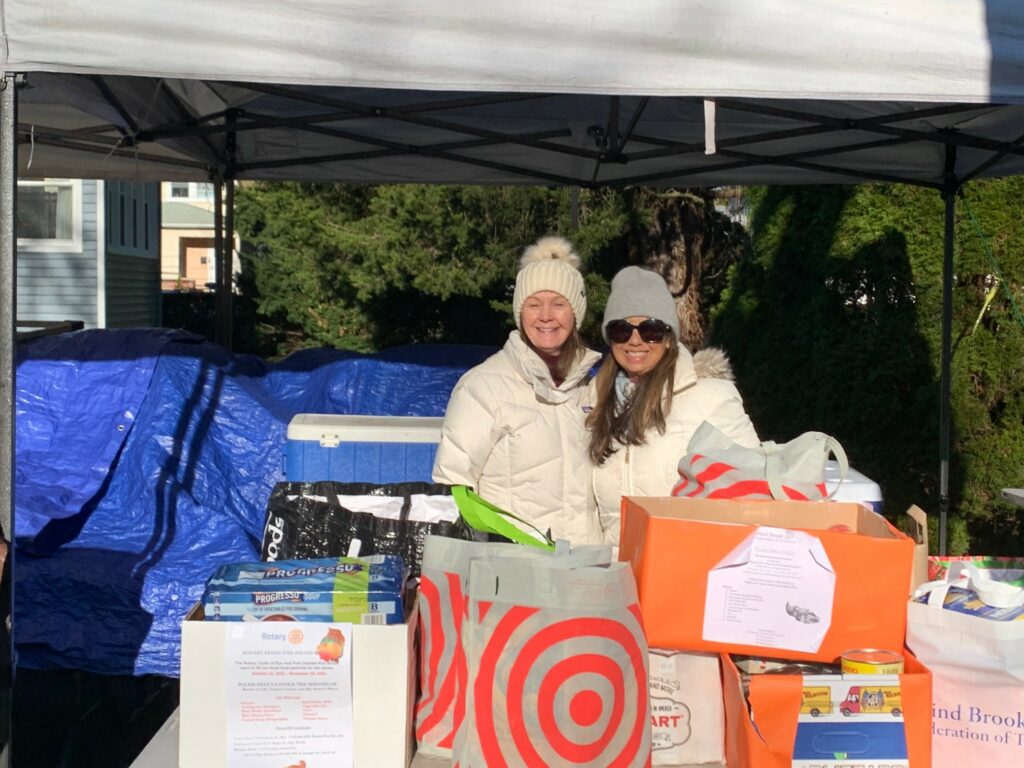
{"points": [[568, 356], [646, 408]]}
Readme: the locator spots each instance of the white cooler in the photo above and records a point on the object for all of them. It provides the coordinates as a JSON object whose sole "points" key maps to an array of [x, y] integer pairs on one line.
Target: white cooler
{"points": [[856, 487], [361, 449]]}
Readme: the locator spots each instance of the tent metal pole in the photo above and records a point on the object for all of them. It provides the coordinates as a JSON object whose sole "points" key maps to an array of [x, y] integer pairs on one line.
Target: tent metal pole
{"points": [[8, 314], [227, 284], [218, 250], [949, 197], [225, 269]]}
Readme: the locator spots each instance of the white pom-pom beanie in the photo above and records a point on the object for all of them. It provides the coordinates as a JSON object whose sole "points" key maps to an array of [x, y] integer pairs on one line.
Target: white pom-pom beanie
{"points": [[550, 264]]}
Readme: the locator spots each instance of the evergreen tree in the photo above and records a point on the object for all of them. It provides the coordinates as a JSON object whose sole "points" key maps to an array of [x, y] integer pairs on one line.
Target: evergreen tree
{"points": [[368, 267], [834, 325]]}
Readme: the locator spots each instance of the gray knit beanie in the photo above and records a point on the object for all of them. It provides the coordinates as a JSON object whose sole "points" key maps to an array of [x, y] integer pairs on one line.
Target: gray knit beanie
{"points": [[550, 264], [639, 292]]}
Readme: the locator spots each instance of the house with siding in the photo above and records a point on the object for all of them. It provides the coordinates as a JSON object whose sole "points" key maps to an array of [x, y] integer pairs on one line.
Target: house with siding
{"points": [[188, 260], [89, 250]]}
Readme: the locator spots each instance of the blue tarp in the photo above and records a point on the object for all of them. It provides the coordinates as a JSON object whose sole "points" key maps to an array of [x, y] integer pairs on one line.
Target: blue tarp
{"points": [[144, 459]]}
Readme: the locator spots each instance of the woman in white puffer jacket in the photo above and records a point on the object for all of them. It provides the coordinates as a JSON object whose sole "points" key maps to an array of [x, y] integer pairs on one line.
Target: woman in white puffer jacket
{"points": [[513, 430], [650, 396]]}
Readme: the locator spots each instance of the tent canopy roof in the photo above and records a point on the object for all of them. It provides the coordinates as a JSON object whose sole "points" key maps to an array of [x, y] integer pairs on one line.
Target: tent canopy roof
{"points": [[588, 93]]}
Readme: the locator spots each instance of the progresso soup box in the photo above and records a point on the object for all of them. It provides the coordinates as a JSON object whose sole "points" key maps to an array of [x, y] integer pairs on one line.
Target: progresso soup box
{"points": [[364, 590]]}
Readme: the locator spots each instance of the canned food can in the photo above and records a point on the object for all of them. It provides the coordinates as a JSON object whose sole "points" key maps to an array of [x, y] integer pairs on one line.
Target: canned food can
{"points": [[871, 661]]}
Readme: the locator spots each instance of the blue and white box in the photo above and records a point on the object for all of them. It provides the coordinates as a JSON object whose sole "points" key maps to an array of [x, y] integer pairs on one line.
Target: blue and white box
{"points": [[361, 449]]}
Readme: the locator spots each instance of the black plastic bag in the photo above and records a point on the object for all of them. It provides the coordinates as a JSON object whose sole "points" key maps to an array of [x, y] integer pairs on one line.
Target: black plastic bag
{"points": [[307, 520]]}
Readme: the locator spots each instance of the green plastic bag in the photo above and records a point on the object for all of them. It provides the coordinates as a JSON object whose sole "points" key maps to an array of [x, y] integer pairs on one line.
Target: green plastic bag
{"points": [[485, 517]]}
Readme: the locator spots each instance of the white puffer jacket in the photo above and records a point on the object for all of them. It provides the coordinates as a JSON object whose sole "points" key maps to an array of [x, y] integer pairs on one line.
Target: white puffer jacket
{"points": [[519, 441], [703, 391]]}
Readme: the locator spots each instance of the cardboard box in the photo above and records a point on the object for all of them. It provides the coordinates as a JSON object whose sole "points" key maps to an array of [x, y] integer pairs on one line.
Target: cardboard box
{"points": [[673, 545], [361, 449], [383, 693], [919, 533], [788, 734]]}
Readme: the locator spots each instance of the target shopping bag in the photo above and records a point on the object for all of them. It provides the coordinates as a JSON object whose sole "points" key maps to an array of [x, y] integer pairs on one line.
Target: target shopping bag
{"points": [[442, 604], [556, 663]]}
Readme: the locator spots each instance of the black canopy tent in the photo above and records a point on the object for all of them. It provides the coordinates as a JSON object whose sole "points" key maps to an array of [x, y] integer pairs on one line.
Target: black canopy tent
{"points": [[318, 133], [582, 94]]}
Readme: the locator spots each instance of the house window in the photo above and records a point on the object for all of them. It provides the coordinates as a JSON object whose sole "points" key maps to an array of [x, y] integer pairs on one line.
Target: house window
{"points": [[179, 189], [47, 215]]}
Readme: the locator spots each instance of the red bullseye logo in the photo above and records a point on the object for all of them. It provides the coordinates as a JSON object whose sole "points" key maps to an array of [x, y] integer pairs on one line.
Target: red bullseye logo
{"points": [[567, 691], [442, 663]]}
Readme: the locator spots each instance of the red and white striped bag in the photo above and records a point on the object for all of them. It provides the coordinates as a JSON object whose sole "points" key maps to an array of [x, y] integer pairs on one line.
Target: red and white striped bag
{"points": [[443, 602], [442, 605], [557, 665], [715, 467]]}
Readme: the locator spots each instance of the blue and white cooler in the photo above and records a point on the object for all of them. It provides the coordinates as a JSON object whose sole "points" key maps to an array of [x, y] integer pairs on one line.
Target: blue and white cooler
{"points": [[855, 487], [361, 449]]}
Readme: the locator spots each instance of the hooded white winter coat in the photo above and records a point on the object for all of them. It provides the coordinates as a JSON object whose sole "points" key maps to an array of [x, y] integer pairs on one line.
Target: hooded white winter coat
{"points": [[703, 391], [519, 441]]}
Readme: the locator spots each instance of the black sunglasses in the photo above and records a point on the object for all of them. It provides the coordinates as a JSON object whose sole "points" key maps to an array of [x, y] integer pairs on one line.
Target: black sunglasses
{"points": [[651, 331]]}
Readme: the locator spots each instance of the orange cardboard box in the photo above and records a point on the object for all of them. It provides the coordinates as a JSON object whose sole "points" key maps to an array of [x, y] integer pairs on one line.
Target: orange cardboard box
{"points": [[673, 544], [775, 705]]}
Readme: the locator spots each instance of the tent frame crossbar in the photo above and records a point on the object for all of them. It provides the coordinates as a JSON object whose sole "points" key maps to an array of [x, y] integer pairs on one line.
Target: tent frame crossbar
{"points": [[186, 116], [610, 142], [110, 97], [389, 152], [107, 150], [875, 125], [997, 157]]}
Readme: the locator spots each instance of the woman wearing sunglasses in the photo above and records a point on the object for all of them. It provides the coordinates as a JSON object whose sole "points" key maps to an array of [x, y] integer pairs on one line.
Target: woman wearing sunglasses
{"points": [[650, 395], [514, 429]]}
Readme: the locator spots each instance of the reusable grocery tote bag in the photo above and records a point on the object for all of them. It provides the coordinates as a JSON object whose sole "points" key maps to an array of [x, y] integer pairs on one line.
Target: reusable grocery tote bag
{"points": [[715, 467], [557, 667], [322, 519], [978, 672], [442, 603], [442, 600]]}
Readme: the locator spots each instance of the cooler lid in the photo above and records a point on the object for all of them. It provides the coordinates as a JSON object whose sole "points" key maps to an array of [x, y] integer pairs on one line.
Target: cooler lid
{"points": [[331, 429], [856, 487]]}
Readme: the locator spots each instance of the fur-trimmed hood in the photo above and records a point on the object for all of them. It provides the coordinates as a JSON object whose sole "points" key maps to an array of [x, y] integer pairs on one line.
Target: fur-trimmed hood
{"points": [[712, 363], [709, 363]]}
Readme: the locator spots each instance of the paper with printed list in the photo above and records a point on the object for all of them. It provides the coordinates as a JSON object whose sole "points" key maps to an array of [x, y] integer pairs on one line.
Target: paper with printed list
{"points": [[289, 694], [774, 590]]}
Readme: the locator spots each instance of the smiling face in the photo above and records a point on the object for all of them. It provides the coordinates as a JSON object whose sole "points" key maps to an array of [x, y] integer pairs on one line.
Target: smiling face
{"points": [[547, 320], [635, 356]]}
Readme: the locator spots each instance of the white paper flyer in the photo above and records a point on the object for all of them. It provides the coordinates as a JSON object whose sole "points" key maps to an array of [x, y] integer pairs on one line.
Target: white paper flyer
{"points": [[289, 695], [774, 590]]}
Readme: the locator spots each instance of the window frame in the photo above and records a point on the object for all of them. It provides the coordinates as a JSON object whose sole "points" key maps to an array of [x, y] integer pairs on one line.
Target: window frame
{"points": [[58, 245]]}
